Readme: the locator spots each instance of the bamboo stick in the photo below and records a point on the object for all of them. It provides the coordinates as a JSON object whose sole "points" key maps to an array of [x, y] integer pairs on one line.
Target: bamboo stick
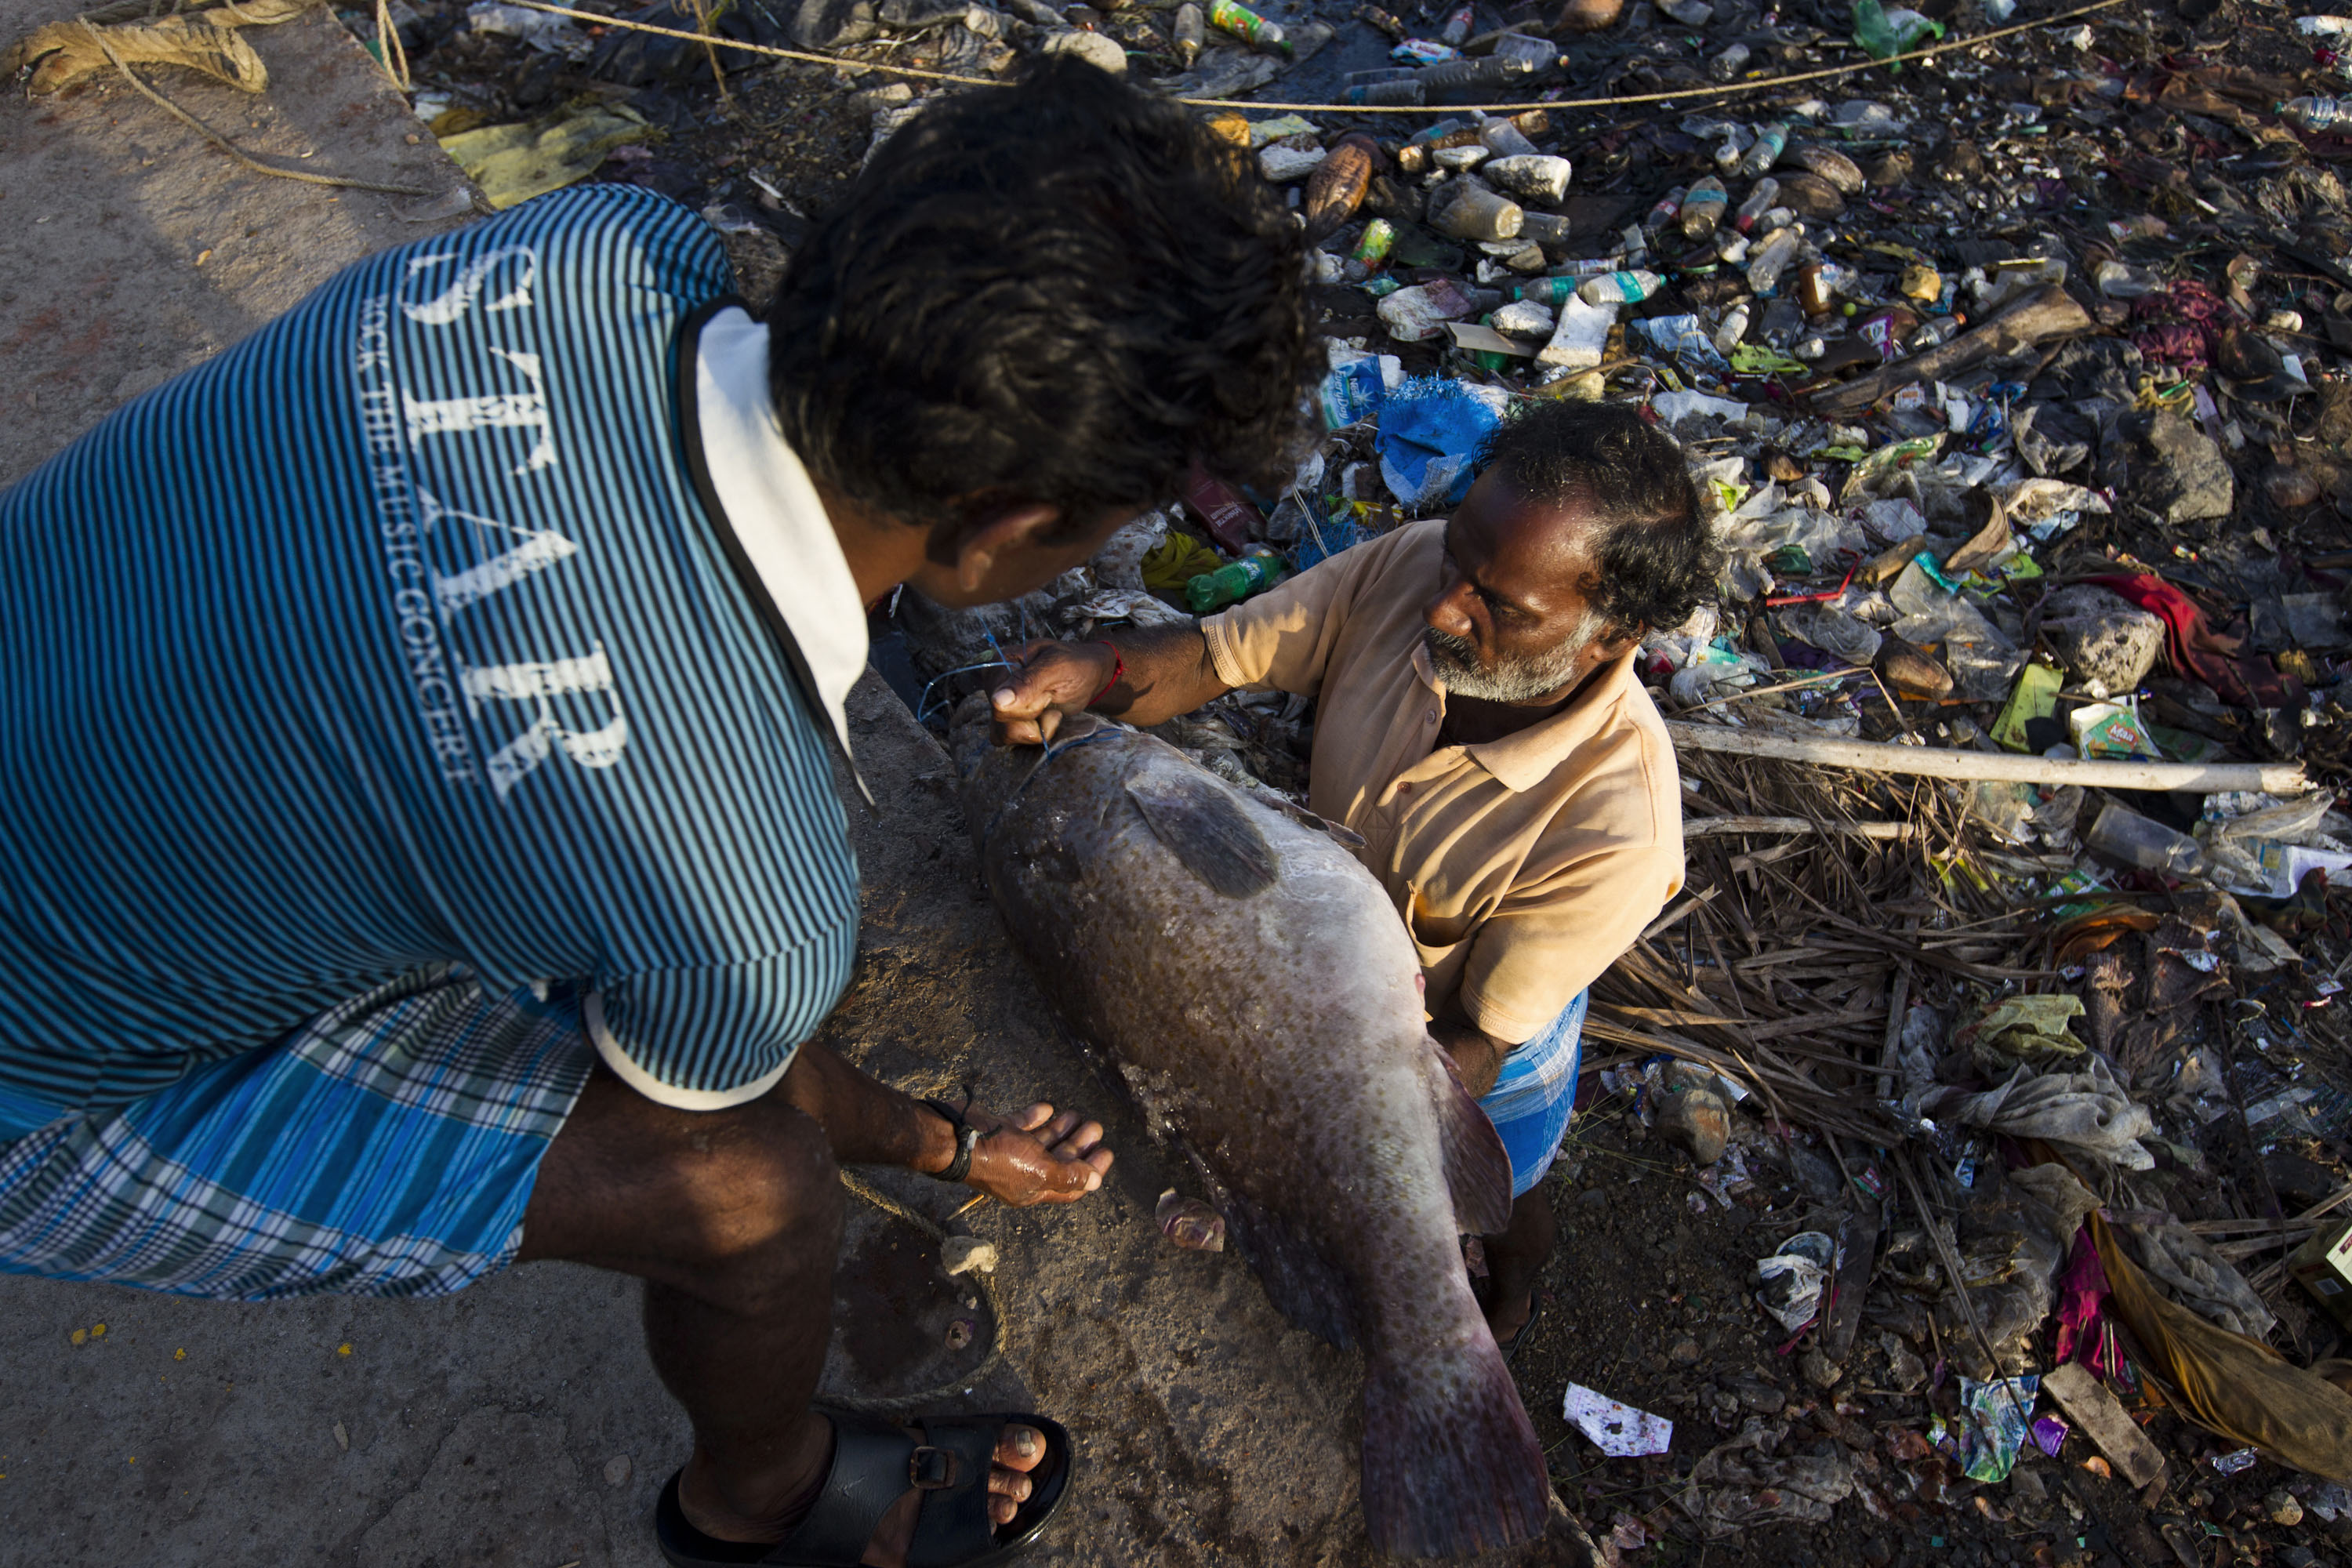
{"points": [[1868, 756]]}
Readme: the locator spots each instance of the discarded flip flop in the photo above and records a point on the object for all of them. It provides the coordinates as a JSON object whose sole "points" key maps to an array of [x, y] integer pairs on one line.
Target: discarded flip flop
{"points": [[1535, 1313]]}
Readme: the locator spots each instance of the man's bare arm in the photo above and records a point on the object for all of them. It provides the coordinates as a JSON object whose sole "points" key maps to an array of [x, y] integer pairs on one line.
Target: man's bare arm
{"points": [[1168, 672], [1477, 1055]]}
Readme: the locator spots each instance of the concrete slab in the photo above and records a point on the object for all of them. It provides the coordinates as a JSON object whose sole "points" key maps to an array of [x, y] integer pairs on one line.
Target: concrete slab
{"points": [[130, 248]]}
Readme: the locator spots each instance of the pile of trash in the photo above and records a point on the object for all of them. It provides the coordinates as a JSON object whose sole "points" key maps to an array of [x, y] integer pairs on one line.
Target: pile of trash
{"points": [[2017, 389]]}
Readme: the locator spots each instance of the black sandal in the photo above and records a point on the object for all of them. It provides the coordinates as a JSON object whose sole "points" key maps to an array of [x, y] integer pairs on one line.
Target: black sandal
{"points": [[875, 1463]]}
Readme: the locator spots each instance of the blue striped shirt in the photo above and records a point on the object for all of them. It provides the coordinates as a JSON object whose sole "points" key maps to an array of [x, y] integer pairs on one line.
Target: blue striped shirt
{"points": [[408, 630]]}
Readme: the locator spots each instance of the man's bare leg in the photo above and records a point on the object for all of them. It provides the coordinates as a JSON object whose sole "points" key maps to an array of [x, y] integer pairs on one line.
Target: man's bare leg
{"points": [[733, 1219], [1515, 1262]]}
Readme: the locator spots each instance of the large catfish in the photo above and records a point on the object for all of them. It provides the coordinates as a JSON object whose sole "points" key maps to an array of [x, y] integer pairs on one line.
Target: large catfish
{"points": [[1263, 1002]]}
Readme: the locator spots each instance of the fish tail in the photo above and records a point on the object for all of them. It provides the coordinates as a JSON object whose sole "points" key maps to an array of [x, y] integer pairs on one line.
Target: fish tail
{"points": [[1450, 1464]]}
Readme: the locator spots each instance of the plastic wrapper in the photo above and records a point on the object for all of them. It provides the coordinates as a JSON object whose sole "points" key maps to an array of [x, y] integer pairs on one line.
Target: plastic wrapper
{"points": [[1999, 1414], [1790, 1283]]}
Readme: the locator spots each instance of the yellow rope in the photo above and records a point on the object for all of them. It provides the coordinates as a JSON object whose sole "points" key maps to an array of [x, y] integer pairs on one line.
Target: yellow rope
{"points": [[1684, 95]]}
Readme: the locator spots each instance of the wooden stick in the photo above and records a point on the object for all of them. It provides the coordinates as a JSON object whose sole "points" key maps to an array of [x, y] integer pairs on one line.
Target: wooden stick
{"points": [[2046, 315], [1868, 756]]}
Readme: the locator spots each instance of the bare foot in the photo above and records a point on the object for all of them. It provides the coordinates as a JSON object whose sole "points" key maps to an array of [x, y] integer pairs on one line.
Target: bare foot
{"points": [[1019, 1450]]}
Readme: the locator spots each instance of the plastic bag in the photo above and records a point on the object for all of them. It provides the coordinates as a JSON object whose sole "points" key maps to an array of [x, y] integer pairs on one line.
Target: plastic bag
{"points": [[1431, 429], [2086, 1109]]}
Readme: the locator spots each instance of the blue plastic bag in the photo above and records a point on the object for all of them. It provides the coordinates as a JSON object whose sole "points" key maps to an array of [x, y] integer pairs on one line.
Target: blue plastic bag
{"points": [[1430, 428]]}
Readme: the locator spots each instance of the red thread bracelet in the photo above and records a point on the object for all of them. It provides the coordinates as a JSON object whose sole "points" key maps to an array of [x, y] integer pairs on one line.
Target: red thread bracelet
{"points": [[1117, 672]]}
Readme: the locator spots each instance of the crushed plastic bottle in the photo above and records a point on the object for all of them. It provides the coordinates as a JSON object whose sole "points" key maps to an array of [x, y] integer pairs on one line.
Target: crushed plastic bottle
{"points": [[1729, 63], [1770, 259], [1734, 329], [1770, 142], [2125, 836], [1190, 32], [2317, 114], [1468, 210], [1620, 288], [1702, 209], [1759, 202]]}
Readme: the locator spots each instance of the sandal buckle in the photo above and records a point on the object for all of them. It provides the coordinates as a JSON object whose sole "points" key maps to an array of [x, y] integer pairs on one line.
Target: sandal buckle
{"points": [[931, 1469]]}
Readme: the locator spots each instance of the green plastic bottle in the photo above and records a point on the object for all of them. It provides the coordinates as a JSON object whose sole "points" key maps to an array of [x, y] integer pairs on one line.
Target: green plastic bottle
{"points": [[1254, 572]]}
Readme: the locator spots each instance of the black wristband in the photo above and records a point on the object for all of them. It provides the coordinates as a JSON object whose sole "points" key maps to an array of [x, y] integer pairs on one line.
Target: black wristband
{"points": [[967, 1139]]}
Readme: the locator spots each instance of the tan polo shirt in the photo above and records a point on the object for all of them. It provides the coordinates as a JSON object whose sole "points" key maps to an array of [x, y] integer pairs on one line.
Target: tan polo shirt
{"points": [[1523, 866]]}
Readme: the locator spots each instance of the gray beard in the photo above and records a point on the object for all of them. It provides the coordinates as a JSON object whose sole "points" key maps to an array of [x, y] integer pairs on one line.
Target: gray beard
{"points": [[1455, 659]]}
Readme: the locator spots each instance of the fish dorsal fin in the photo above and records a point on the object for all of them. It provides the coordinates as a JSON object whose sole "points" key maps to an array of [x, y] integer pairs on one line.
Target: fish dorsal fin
{"points": [[1207, 829], [1477, 1170], [1347, 837]]}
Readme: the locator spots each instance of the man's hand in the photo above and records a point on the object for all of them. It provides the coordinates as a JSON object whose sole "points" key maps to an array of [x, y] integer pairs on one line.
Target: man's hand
{"points": [[1036, 1157], [1053, 678]]}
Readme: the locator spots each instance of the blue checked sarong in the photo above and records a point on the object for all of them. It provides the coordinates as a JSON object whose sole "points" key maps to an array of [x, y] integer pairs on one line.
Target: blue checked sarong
{"points": [[385, 1148], [1534, 1093]]}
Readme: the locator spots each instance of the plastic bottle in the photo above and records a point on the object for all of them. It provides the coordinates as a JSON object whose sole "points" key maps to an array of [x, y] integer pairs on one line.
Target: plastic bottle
{"points": [[2124, 834], [1618, 288], [1759, 202], [1728, 63], [1544, 229], [1668, 206], [1468, 210], [1457, 30], [1191, 32], [2318, 113], [1381, 21], [1929, 334], [1390, 91], [1545, 291], [1245, 23], [2323, 27], [1770, 259], [1254, 572], [1372, 250], [1733, 331], [1769, 143], [1702, 209], [1472, 76], [1503, 139]]}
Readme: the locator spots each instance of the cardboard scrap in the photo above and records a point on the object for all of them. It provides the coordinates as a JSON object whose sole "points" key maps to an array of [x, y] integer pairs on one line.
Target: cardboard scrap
{"points": [[2084, 1397]]}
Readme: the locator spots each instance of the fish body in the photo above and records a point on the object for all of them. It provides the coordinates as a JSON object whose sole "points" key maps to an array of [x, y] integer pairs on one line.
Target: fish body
{"points": [[1263, 1002]]}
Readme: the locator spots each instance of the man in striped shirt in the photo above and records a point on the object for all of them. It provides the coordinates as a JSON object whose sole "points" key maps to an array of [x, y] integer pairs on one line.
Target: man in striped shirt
{"points": [[416, 756]]}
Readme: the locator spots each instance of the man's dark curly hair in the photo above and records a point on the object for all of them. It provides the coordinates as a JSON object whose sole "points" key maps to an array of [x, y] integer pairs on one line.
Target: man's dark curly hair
{"points": [[1655, 557], [1062, 291]]}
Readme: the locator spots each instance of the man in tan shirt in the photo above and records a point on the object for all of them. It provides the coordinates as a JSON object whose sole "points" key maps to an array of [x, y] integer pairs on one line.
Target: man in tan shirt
{"points": [[1480, 725]]}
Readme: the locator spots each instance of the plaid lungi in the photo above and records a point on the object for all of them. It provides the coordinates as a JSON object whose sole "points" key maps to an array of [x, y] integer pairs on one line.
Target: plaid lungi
{"points": [[385, 1148], [1534, 1093]]}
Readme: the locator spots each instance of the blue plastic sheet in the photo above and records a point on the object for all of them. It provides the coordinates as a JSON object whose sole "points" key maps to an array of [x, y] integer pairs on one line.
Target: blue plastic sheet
{"points": [[1430, 431]]}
